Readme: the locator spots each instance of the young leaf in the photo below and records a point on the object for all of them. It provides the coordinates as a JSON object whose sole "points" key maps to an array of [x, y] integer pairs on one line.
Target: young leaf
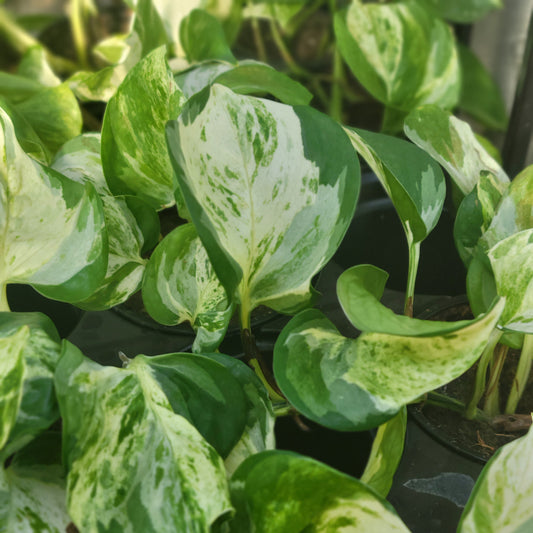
{"points": [[452, 143], [270, 203], [34, 66], [132, 461], [180, 285], [58, 244], [501, 499], [462, 11], [282, 492], [29, 355], [258, 433], [134, 152], [32, 489], [357, 384], [400, 53], [386, 453]]}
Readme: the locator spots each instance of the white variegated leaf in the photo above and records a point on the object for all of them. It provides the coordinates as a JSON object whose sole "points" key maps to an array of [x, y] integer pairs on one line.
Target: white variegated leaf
{"points": [[501, 499], [119, 426], [270, 202], [452, 143]]}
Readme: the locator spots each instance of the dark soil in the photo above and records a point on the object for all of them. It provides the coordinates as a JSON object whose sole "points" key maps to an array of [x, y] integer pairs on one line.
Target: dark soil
{"points": [[472, 437]]}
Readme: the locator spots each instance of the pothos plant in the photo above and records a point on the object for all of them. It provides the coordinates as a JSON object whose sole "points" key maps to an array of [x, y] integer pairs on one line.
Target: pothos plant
{"points": [[184, 441]]}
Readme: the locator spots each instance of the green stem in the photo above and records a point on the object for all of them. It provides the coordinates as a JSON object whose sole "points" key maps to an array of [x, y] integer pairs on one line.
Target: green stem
{"points": [[335, 107], [20, 41], [79, 9], [481, 373], [414, 258], [258, 40], [4, 304], [492, 397], [441, 400], [284, 51], [294, 25], [522, 375]]}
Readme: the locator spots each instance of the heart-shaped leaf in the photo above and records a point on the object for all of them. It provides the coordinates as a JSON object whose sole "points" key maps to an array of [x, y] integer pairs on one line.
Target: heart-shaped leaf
{"points": [[357, 384], [452, 143], [58, 244], [400, 53], [270, 202], [134, 151], [501, 499], [118, 425], [180, 285], [282, 492]]}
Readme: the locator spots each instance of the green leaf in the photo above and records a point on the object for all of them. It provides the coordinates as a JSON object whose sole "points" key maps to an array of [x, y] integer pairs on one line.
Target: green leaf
{"points": [[134, 152], [34, 66], [501, 499], [29, 354], [412, 179], [205, 392], [452, 143], [386, 453], [16, 88], [59, 244], [202, 38], [282, 492], [32, 489], [512, 264], [180, 285], [270, 202], [462, 11], [357, 384], [258, 434], [400, 53], [480, 283], [132, 462], [481, 98]]}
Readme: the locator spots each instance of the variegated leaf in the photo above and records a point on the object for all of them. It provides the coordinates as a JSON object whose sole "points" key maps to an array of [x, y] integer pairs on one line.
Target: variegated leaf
{"points": [[204, 391], [412, 179], [258, 434], [58, 244], [118, 425], [32, 489], [501, 499], [462, 11], [79, 159], [134, 152], [386, 453], [452, 143], [400, 53], [270, 202], [357, 384], [29, 341], [512, 264], [180, 285], [282, 492]]}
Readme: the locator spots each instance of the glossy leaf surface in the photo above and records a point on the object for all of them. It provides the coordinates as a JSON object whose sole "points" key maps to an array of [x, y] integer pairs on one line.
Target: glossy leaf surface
{"points": [[57, 244], [452, 143], [501, 499], [270, 203], [119, 425], [401, 54], [282, 492], [134, 152], [180, 285], [356, 384]]}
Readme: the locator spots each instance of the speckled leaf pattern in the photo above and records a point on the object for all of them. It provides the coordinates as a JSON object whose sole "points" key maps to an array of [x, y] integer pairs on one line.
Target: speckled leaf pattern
{"points": [[282, 492], [512, 264], [501, 499], [412, 179], [180, 285], [30, 341], [57, 244], [356, 384], [258, 434], [32, 490], [385, 454], [462, 11], [400, 53], [118, 425], [270, 202], [134, 151], [452, 143]]}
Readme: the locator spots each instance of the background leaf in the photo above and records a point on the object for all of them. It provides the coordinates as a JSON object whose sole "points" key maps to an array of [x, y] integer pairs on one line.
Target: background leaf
{"points": [[463, 11]]}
